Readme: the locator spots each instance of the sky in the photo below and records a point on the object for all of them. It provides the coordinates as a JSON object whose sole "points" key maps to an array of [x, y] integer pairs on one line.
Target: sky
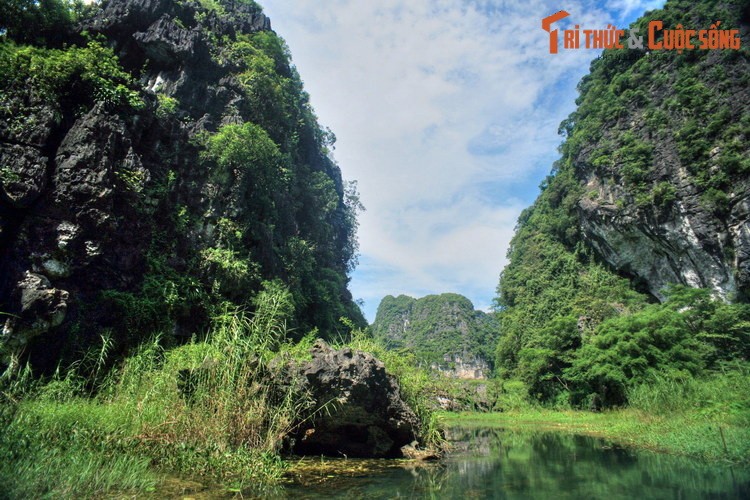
{"points": [[446, 114]]}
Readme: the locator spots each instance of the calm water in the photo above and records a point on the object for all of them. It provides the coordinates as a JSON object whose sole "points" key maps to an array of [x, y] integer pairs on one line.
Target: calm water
{"points": [[513, 464], [546, 465]]}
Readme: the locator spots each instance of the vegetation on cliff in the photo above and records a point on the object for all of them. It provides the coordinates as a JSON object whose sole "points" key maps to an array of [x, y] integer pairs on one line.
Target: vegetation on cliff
{"points": [[655, 132], [436, 326], [160, 161], [173, 230]]}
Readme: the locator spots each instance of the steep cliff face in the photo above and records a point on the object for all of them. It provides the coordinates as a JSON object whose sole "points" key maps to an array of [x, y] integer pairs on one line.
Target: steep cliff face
{"points": [[651, 191], [159, 161], [438, 329], [660, 144]]}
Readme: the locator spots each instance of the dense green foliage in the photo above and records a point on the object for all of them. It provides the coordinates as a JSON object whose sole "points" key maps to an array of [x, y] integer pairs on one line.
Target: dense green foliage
{"points": [[41, 21], [251, 277], [683, 338], [634, 101], [61, 78], [209, 408], [573, 330], [297, 218], [274, 205], [245, 236], [435, 326]]}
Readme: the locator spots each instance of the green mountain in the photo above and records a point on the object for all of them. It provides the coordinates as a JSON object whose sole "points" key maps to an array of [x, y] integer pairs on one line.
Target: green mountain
{"points": [[651, 191], [160, 164], [436, 326]]}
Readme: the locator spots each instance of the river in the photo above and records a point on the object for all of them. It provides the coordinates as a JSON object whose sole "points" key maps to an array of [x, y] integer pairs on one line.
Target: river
{"points": [[517, 464]]}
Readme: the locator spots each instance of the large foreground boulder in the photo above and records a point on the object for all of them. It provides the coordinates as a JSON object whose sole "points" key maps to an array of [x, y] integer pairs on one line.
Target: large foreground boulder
{"points": [[360, 410]]}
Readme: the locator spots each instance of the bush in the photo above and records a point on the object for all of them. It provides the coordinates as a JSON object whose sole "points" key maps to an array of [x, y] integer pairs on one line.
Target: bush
{"points": [[167, 106], [41, 21], [203, 408], [685, 336], [74, 74], [630, 350]]}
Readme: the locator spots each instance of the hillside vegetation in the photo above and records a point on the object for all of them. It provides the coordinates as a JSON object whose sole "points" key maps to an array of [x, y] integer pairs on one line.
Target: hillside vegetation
{"points": [[160, 162], [173, 232], [629, 269], [436, 326]]}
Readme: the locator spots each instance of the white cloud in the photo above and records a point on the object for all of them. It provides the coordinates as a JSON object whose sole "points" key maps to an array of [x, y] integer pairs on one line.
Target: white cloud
{"points": [[446, 113]]}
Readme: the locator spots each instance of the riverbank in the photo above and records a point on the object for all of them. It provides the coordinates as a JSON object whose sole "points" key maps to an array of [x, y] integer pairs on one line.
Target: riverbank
{"points": [[204, 410], [708, 437]]}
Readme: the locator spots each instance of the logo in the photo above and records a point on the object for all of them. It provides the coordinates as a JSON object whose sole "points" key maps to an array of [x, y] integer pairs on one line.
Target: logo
{"points": [[657, 37]]}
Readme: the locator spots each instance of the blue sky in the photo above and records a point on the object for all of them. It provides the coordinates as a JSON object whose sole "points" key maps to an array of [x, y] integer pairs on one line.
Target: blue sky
{"points": [[446, 114]]}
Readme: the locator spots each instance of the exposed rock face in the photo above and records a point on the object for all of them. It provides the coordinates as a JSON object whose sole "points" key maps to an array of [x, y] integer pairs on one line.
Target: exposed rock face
{"points": [[685, 243], [462, 367], [66, 213], [42, 308], [363, 414], [103, 203], [666, 192]]}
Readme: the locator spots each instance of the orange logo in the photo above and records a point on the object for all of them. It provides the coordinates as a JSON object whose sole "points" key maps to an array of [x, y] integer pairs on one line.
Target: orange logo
{"points": [[658, 38], [549, 21]]}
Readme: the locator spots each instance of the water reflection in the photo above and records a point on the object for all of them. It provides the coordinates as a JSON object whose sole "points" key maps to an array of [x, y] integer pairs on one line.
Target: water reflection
{"points": [[494, 463]]}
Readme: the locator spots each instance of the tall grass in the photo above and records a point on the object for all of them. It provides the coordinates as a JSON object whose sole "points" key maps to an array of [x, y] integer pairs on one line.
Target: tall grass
{"points": [[55, 443], [218, 406], [204, 408], [707, 416], [210, 407], [721, 395]]}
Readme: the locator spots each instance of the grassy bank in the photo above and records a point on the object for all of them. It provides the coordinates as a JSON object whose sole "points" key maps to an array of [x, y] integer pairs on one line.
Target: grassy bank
{"points": [[707, 418], [684, 436], [208, 409], [200, 409]]}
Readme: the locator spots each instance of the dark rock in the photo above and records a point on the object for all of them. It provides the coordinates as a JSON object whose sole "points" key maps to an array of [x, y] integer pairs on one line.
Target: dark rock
{"points": [[23, 174], [360, 410], [112, 203], [42, 307], [167, 43], [687, 238], [686, 244], [118, 17]]}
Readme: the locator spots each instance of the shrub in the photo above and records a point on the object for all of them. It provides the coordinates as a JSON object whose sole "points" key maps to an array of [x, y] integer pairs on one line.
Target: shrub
{"points": [[71, 74], [167, 106]]}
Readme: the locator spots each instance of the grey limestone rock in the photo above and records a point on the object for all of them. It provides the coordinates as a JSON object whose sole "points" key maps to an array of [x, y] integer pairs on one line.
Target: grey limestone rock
{"points": [[364, 414]]}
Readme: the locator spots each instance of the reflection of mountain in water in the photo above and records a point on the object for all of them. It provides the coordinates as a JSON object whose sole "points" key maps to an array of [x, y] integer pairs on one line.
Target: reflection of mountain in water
{"points": [[497, 463], [509, 464]]}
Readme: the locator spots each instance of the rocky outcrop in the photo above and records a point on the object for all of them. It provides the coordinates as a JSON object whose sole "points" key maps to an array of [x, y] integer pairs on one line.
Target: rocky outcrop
{"points": [[76, 214], [107, 205], [42, 308], [359, 409], [666, 192], [462, 367], [685, 242]]}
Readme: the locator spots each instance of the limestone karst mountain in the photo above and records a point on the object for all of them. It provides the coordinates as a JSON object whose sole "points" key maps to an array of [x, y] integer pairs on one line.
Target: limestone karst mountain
{"points": [[159, 161]]}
